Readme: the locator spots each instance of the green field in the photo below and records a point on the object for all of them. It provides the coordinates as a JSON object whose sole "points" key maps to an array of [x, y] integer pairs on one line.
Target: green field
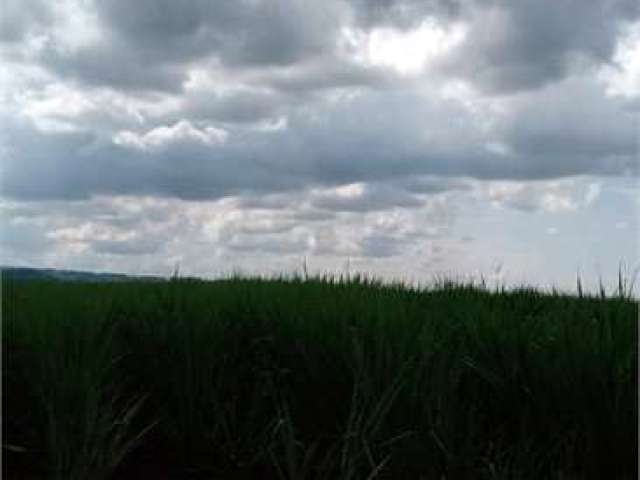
{"points": [[316, 379]]}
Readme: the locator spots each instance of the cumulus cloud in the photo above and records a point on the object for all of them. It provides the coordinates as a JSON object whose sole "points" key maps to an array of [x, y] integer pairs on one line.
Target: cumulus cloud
{"points": [[550, 196], [287, 128], [360, 197], [116, 228], [623, 75], [575, 122], [181, 132], [366, 139], [512, 46], [148, 45]]}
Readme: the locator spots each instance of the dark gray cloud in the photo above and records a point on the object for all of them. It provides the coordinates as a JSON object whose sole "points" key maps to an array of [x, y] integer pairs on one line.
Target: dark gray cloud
{"points": [[114, 64], [238, 32], [403, 14], [148, 45], [582, 132], [521, 45], [374, 138], [285, 109], [430, 185], [39, 166], [77, 165]]}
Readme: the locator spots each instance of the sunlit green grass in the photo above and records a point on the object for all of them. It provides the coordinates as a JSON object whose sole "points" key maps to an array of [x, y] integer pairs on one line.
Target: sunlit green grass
{"points": [[316, 378]]}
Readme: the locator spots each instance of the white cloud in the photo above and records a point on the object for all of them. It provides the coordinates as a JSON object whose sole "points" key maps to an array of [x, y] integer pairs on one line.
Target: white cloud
{"points": [[592, 193], [182, 131], [407, 51], [623, 77], [559, 196]]}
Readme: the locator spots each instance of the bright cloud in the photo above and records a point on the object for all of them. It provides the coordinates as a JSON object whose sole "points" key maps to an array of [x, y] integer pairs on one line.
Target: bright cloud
{"points": [[623, 78], [410, 51], [553, 197], [182, 131]]}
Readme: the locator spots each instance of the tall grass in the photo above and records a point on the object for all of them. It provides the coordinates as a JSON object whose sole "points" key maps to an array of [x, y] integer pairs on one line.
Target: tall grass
{"points": [[316, 378], [62, 394]]}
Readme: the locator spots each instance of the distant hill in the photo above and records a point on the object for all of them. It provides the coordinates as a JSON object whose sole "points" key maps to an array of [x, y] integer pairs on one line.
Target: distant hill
{"points": [[25, 273]]}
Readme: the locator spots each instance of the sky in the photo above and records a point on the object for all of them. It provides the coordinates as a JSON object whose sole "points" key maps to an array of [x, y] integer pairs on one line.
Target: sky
{"points": [[408, 139]]}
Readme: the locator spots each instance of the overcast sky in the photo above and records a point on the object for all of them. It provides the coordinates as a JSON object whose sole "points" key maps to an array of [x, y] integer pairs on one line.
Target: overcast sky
{"points": [[405, 139]]}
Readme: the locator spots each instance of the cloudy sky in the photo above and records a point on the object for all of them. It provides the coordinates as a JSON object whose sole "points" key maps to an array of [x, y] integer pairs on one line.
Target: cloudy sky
{"points": [[405, 138]]}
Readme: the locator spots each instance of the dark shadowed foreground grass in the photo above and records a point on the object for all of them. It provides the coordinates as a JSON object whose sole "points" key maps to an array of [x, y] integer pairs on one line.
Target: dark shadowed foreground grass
{"points": [[316, 379]]}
